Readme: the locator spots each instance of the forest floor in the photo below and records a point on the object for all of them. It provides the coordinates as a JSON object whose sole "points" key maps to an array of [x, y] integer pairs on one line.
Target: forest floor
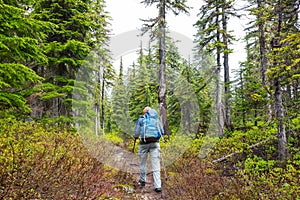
{"points": [[146, 192]]}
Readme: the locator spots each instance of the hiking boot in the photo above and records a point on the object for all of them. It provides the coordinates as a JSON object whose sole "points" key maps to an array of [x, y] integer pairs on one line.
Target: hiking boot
{"points": [[142, 183], [157, 190]]}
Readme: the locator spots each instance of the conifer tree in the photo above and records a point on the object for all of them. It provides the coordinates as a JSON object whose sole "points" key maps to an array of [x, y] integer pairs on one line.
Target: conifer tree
{"points": [[20, 52], [213, 35], [285, 15], [120, 110], [99, 37], [274, 22], [209, 38], [143, 88], [250, 97], [158, 27], [258, 42], [227, 11], [67, 47]]}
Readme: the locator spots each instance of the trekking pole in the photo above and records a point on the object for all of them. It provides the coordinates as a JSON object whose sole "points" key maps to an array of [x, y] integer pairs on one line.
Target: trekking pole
{"points": [[133, 145]]}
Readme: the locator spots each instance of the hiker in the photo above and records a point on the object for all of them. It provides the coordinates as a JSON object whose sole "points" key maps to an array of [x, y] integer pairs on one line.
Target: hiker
{"points": [[149, 129]]}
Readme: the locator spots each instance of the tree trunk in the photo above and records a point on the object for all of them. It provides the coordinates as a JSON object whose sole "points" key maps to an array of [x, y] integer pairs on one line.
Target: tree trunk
{"points": [[219, 87], [162, 68], [255, 115], [242, 99], [97, 119], [102, 101], [226, 71], [295, 90], [263, 54], [262, 46], [219, 104], [282, 139]]}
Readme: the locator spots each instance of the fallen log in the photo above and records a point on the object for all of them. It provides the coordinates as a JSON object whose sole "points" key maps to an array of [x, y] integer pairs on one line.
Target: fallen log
{"points": [[238, 152]]}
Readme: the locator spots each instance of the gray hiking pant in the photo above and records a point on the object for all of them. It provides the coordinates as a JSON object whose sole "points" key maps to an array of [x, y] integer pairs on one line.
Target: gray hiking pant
{"points": [[154, 150]]}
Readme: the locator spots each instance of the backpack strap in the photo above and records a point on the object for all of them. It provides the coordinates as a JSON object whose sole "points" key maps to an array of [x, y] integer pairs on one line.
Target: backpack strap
{"points": [[145, 130], [158, 127]]}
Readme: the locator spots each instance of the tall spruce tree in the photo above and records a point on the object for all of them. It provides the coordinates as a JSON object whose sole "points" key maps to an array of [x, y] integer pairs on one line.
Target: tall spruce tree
{"points": [[209, 29], [67, 48], [258, 37], [250, 96], [214, 36], [120, 110], [227, 11], [275, 20], [20, 52], [99, 36], [143, 86], [158, 26], [205, 72], [285, 15]]}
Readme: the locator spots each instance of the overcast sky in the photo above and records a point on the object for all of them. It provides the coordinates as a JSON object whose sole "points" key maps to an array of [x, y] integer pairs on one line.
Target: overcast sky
{"points": [[126, 15]]}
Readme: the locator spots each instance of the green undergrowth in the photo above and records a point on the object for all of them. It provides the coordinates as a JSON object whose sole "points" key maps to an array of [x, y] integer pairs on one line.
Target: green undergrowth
{"points": [[192, 178], [40, 161], [48, 162], [243, 165]]}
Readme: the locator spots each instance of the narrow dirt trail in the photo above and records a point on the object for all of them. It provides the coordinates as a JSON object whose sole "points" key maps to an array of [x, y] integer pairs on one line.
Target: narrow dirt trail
{"points": [[147, 192]]}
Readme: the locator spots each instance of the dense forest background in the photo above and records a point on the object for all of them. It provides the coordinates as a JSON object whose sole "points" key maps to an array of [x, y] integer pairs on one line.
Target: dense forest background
{"points": [[57, 82]]}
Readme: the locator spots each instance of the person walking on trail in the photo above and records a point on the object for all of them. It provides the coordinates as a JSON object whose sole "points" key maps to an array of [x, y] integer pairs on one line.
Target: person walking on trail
{"points": [[149, 129]]}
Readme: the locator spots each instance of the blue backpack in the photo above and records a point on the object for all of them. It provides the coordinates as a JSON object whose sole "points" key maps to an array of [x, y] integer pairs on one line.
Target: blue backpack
{"points": [[151, 128]]}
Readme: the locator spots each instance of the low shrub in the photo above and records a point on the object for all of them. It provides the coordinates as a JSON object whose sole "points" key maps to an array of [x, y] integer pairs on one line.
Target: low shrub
{"points": [[193, 179], [49, 163]]}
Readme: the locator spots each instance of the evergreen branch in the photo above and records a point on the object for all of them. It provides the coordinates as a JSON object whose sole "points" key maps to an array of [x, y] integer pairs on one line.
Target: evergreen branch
{"points": [[149, 2], [149, 24]]}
